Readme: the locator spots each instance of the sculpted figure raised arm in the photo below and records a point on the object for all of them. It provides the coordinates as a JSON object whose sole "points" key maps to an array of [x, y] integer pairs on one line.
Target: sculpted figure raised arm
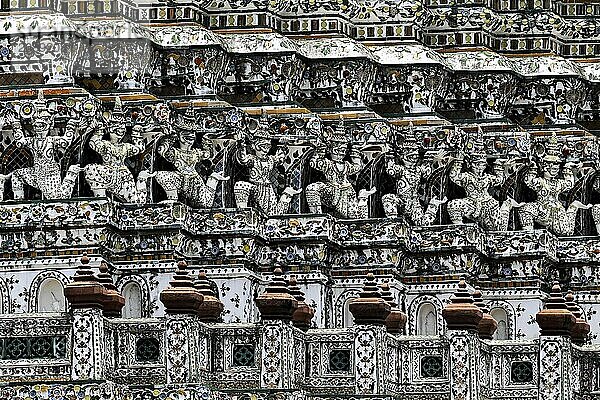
{"points": [[45, 173], [261, 188], [410, 173], [479, 205], [113, 175], [186, 181], [547, 210], [337, 192]]}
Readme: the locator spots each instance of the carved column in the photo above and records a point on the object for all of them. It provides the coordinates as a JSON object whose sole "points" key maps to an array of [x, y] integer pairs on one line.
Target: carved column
{"points": [[462, 319], [276, 306], [277, 341], [556, 323], [370, 312], [182, 303], [88, 344], [371, 361], [87, 296], [463, 364]]}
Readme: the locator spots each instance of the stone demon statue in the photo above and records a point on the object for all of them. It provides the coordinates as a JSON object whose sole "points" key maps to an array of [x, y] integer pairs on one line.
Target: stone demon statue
{"points": [[45, 174], [337, 192], [547, 210], [410, 173], [113, 175], [479, 205], [186, 181], [261, 187]]}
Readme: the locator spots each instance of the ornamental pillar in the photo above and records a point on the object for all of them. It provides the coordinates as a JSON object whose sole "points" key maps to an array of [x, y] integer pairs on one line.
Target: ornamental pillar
{"points": [[277, 307], [370, 312], [462, 318], [86, 296], [488, 325], [556, 323], [182, 303]]}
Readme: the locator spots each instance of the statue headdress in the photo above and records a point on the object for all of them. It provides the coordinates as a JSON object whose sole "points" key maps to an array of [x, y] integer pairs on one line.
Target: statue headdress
{"points": [[187, 120], [117, 116], [475, 146], [263, 127], [410, 144], [339, 134], [553, 150], [38, 107]]}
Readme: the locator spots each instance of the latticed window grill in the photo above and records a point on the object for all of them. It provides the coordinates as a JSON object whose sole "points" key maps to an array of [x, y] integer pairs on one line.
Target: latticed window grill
{"points": [[26, 348], [431, 367], [521, 372], [339, 361], [147, 350], [243, 355]]}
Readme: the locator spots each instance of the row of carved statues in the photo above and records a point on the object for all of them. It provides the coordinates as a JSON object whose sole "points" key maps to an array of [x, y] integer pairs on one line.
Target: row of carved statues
{"points": [[332, 156]]}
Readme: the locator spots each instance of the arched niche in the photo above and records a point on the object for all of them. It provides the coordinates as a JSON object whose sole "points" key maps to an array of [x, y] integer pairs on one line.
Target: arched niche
{"points": [[427, 320], [133, 308], [501, 317], [51, 297]]}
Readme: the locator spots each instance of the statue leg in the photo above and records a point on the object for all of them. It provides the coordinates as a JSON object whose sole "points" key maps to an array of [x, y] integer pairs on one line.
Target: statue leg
{"points": [[596, 216], [504, 213], [564, 224], [527, 215], [318, 194], [390, 205], [19, 178], [362, 204], [65, 190], [283, 205], [211, 188], [456, 210], [3, 179], [125, 187], [241, 191], [96, 176], [171, 182], [431, 211], [141, 186]]}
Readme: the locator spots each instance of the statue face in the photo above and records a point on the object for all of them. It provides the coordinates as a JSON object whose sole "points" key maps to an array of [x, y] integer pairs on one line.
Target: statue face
{"points": [[117, 131], [187, 137], [42, 124], [262, 147], [411, 159], [478, 165], [338, 151], [551, 169]]}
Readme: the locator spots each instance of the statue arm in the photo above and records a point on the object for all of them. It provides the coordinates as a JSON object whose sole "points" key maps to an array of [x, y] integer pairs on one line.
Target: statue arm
{"points": [[318, 161], [569, 178], [279, 156], [165, 149], [19, 136], [393, 169], [455, 175], [242, 155], [136, 147], [531, 179], [69, 135]]}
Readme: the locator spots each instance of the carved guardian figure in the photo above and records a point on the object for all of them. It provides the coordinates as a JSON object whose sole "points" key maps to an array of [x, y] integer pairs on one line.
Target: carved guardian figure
{"points": [[479, 205], [186, 181], [45, 173], [547, 210], [337, 192], [409, 175], [261, 188], [113, 175]]}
